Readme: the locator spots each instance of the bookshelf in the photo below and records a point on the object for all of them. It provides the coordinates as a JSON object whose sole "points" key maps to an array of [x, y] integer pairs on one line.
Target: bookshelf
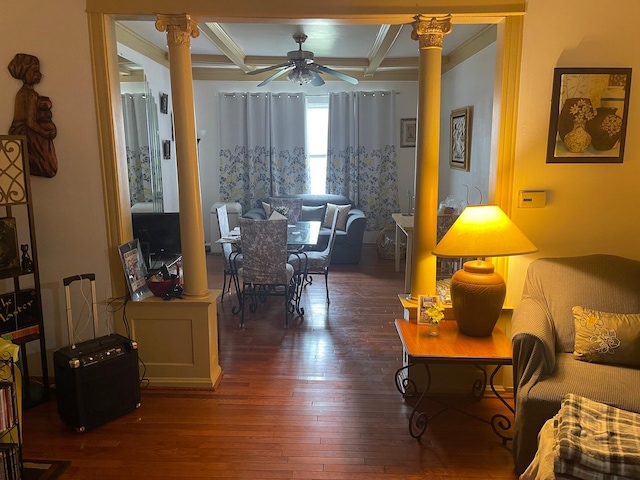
{"points": [[10, 430], [21, 318]]}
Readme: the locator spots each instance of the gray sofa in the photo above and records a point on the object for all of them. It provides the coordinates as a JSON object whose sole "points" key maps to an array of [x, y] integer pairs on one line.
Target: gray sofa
{"points": [[348, 246], [543, 336]]}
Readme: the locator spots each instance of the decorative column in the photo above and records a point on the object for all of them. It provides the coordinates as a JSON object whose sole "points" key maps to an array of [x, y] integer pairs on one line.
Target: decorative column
{"points": [[180, 29], [430, 34]]}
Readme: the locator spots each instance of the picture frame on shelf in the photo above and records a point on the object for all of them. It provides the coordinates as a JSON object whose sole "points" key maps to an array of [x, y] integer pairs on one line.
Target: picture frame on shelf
{"points": [[460, 138], [424, 302], [408, 132], [588, 119], [135, 270]]}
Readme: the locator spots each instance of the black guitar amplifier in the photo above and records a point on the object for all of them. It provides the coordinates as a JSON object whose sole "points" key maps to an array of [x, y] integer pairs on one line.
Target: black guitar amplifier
{"points": [[97, 381]]}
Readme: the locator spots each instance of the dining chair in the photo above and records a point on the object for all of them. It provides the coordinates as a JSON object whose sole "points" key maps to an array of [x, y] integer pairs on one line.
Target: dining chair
{"points": [[265, 271], [231, 259], [318, 262]]}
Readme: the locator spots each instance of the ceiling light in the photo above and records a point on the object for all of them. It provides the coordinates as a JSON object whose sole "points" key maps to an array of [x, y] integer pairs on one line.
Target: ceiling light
{"points": [[300, 75]]}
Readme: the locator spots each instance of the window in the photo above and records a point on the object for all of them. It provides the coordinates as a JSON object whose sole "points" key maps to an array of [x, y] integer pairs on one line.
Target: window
{"points": [[317, 135]]}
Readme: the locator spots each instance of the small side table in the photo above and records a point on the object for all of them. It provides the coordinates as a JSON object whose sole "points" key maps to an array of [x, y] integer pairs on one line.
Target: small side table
{"points": [[452, 347]]}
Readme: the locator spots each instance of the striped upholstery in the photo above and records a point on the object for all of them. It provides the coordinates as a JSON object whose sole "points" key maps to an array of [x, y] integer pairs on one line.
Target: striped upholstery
{"points": [[543, 338]]}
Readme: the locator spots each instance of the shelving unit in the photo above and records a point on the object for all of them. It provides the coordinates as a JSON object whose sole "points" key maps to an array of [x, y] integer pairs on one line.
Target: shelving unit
{"points": [[10, 434], [21, 318]]}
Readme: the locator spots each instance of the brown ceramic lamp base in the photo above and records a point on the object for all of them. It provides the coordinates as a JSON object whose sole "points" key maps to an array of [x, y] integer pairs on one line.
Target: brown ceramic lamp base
{"points": [[477, 297]]}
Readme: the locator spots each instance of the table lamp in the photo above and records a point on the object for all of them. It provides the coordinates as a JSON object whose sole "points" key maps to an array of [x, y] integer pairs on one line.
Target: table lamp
{"points": [[477, 291]]}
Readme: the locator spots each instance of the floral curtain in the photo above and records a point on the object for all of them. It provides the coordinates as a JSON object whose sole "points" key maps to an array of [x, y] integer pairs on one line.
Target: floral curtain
{"points": [[136, 130], [262, 146], [362, 159]]}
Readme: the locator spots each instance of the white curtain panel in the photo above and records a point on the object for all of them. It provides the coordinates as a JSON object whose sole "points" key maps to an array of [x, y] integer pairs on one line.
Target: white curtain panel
{"points": [[261, 146], [136, 130], [362, 159]]}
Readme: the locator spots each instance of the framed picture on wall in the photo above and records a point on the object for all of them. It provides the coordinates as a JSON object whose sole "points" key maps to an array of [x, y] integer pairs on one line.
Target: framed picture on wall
{"points": [[408, 132], [589, 108], [164, 103], [460, 138]]}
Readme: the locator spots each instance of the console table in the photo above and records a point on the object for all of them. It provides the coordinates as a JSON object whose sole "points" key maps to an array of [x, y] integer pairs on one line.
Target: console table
{"points": [[451, 347]]}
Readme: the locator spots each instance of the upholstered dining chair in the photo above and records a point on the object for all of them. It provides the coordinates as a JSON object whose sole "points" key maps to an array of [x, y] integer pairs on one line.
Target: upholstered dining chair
{"points": [[318, 262], [231, 259], [265, 271]]}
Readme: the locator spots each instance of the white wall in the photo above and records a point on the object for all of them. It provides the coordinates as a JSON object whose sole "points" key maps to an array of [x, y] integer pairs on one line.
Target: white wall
{"points": [[470, 83], [590, 207], [68, 208], [206, 99]]}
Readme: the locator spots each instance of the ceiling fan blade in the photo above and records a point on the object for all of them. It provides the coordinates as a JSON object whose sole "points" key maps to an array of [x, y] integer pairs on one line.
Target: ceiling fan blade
{"points": [[276, 75], [322, 69], [317, 79], [267, 69]]}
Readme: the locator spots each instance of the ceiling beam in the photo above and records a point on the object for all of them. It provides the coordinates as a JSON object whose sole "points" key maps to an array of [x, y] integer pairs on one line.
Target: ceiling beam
{"points": [[216, 35], [135, 42], [387, 36]]}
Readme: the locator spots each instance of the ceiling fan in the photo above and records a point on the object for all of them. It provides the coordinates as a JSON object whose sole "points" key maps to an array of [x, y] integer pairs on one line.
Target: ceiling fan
{"points": [[301, 67]]}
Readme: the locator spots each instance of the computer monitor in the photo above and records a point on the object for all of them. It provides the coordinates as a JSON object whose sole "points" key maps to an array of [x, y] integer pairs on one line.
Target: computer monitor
{"points": [[159, 236]]}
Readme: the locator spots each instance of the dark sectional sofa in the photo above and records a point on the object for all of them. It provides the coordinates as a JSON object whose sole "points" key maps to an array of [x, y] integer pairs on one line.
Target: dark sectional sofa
{"points": [[348, 246]]}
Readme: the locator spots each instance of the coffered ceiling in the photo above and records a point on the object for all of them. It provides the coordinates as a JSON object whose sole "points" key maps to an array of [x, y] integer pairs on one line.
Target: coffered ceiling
{"points": [[227, 51]]}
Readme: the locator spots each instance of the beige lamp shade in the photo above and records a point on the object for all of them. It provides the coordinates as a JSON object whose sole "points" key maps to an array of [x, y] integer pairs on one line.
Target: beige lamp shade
{"points": [[483, 231], [477, 291]]}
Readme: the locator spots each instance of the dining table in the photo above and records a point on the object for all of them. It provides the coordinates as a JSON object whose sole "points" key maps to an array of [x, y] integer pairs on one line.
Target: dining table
{"points": [[299, 235]]}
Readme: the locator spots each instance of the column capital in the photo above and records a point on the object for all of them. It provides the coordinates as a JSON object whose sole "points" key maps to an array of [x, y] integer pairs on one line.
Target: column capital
{"points": [[430, 32], [178, 27]]}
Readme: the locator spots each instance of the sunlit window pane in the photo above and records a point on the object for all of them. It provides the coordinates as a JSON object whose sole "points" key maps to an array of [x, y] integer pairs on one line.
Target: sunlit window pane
{"points": [[317, 109]]}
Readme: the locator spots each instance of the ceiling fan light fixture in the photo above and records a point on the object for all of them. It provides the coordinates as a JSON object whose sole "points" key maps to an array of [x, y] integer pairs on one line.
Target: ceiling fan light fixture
{"points": [[300, 75]]}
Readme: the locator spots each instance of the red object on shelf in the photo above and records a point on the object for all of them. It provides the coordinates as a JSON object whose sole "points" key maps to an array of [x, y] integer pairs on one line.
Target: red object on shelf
{"points": [[161, 288]]}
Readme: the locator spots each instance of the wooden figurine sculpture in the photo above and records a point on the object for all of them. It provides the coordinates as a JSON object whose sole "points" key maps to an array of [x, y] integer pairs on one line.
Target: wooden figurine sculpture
{"points": [[32, 117], [27, 263]]}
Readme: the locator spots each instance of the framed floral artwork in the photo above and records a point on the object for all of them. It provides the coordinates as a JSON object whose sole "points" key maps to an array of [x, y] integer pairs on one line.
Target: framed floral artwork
{"points": [[460, 141], [408, 132], [589, 108]]}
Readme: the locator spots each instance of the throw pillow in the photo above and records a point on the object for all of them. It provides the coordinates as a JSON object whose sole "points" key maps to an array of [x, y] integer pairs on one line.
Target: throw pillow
{"points": [[267, 208], [293, 204], [610, 338], [312, 214], [343, 215]]}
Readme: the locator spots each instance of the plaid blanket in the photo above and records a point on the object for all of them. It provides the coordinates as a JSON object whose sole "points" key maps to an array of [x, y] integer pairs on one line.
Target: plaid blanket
{"points": [[596, 441]]}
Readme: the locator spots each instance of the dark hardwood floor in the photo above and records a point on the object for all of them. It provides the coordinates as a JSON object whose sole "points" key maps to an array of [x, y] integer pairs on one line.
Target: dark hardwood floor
{"points": [[314, 401]]}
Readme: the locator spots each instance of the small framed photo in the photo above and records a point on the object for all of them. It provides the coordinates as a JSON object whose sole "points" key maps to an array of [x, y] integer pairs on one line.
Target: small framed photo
{"points": [[424, 302], [460, 142], [135, 270], [164, 103], [166, 149], [589, 109], [408, 132]]}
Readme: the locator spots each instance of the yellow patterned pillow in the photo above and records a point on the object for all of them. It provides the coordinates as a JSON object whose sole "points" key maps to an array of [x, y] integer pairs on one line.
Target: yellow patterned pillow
{"points": [[343, 216], [611, 338]]}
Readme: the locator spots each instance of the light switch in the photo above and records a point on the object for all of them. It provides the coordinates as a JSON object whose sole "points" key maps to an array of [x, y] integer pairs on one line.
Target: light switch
{"points": [[532, 199]]}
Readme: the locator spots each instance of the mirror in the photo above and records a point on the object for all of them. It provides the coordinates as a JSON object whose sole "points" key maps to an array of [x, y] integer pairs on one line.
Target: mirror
{"points": [[140, 115]]}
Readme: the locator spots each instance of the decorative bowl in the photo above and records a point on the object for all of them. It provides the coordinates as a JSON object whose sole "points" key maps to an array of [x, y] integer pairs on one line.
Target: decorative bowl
{"points": [[161, 287]]}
